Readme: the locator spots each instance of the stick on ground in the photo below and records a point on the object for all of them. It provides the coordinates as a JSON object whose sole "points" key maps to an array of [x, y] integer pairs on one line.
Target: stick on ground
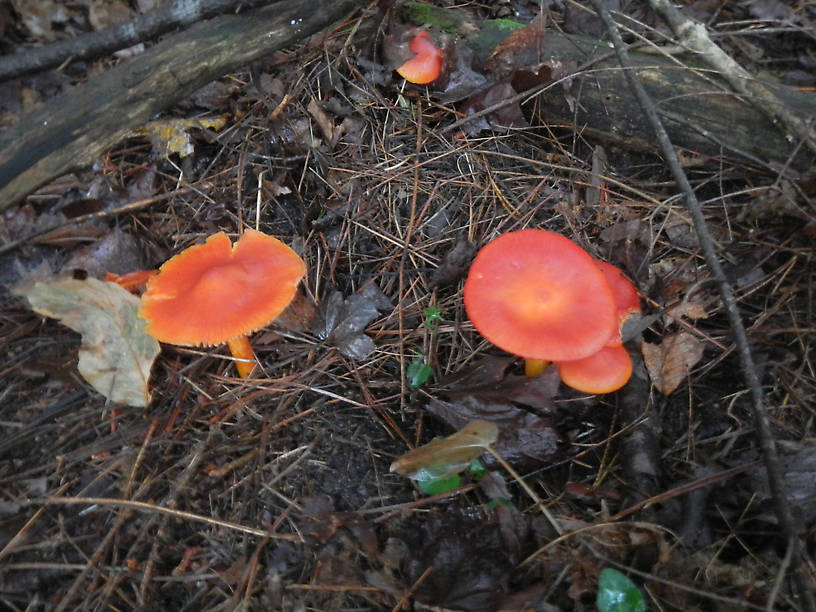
{"points": [[767, 443]]}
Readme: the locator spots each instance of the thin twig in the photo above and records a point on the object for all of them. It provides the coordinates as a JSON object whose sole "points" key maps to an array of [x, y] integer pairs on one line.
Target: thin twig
{"points": [[766, 440], [179, 514]]}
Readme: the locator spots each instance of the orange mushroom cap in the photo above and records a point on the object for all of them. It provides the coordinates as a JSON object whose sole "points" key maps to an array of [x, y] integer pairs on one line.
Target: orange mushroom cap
{"points": [[426, 65], [538, 295], [625, 294], [213, 292], [602, 372]]}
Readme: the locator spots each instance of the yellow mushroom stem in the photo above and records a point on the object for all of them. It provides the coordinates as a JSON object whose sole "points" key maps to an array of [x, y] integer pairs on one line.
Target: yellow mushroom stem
{"points": [[534, 367], [244, 355]]}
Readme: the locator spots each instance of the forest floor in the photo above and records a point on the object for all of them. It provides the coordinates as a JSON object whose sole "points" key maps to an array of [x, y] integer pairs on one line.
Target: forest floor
{"points": [[275, 492]]}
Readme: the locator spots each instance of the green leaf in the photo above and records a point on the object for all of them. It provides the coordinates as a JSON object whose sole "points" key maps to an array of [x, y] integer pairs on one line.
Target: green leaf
{"points": [[616, 593], [439, 485], [418, 374], [433, 317], [477, 469]]}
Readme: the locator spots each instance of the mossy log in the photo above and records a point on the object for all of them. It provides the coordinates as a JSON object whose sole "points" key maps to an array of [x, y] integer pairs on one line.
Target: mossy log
{"points": [[700, 112]]}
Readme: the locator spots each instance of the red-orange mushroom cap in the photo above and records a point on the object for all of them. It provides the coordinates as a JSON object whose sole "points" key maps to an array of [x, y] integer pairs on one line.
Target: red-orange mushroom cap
{"points": [[626, 297], [602, 372], [538, 295], [214, 292], [426, 65]]}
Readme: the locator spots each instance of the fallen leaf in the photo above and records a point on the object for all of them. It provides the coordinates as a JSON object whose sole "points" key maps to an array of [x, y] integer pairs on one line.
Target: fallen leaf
{"points": [[503, 118], [108, 13], [116, 353], [454, 264], [525, 438], [520, 50], [38, 16], [170, 136], [331, 133], [691, 308], [670, 361], [446, 456], [341, 322]]}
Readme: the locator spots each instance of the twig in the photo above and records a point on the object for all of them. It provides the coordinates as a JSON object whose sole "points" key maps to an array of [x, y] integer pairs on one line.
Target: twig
{"points": [[766, 441], [694, 37], [178, 514], [179, 14]]}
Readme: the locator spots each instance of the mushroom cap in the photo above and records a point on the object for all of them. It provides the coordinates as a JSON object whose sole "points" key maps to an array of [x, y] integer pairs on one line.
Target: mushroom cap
{"points": [[213, 292], [538, 295], [602, 372], [626, 297], [426, 65]]}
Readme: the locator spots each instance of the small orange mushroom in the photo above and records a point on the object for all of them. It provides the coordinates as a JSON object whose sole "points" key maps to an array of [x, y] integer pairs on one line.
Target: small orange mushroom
{"points": [[426, 65], [626, 297], [218, 292], [602, 372], [538, 295], [132, 281]]}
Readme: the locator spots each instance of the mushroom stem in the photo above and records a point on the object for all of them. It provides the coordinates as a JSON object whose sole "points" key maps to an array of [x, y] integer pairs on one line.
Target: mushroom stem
{"points": [[534, 367], [243, 354]]}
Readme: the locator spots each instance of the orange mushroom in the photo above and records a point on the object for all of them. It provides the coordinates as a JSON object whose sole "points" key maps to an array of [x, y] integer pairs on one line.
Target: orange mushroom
{"points": [[538, 295], [132, 281], [602, 372], [217, 292], [625, 294], [426, 65]]}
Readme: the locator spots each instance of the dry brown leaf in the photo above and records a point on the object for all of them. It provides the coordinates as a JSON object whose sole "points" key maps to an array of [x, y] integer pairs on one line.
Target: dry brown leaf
{"points": [[670, 361], [116, 353], [170, 136], [449, 455], [689, 308]]}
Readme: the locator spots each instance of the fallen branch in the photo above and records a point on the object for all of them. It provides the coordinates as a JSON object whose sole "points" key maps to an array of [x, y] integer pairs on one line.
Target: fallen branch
{"points": [[179, 14], [74, 129], [766, 440], [694, 37]]}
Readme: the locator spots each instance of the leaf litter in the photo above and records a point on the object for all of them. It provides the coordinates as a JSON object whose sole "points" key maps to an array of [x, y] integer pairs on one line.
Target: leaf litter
{"points": [[116, 354]]}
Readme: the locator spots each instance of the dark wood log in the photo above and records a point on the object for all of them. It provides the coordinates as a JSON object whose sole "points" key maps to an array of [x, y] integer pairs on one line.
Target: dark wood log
{"points": [[700, 112], [74, 129], [143, 28]]}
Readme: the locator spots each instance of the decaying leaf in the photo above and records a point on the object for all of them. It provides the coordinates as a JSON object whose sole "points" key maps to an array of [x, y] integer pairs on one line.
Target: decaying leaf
{"points": [[670, 361], [342, 322], [116, 353], [521, 49], [449, 455], [170, 136], [486, 393]]}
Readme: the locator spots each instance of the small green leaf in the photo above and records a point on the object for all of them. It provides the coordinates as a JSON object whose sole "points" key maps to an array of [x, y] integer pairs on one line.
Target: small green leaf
{"points": [[418, 374], [477, 469], [433, 317], [440, 485], [616, 593]]}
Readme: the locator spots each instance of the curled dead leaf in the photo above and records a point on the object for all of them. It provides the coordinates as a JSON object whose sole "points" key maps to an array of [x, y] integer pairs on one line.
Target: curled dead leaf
{"points": [[670, 361]]}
